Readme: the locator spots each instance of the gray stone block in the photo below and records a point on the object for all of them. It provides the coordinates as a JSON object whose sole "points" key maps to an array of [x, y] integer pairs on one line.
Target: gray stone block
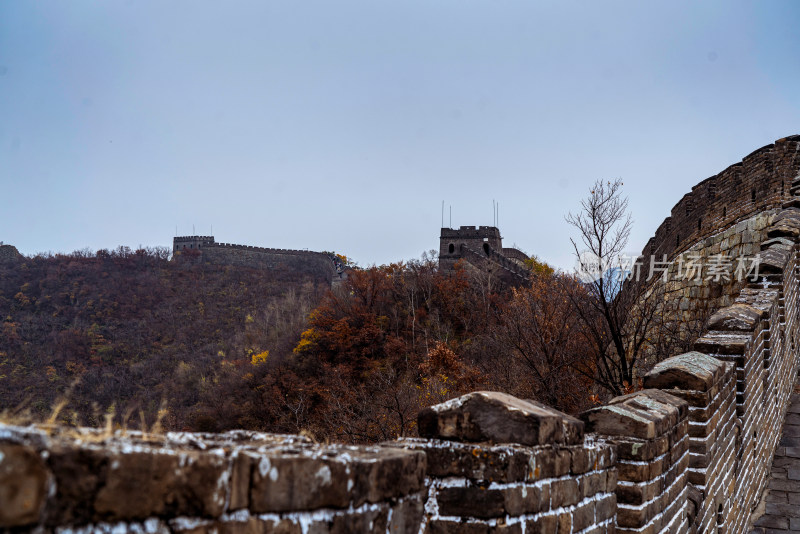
{"points": [[488, 416]]}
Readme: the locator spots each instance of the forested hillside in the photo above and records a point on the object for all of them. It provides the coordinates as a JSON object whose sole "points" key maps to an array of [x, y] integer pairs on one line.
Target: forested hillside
{"points": [[208, 347], [126, 330]]}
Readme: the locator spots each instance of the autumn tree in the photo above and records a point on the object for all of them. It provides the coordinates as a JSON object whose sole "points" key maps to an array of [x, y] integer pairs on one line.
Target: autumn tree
{"points": [[539, 330], [355, 323]]}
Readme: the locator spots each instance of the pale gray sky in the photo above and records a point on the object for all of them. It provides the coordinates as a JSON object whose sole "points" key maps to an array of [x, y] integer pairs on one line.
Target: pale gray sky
{"points": [[343, 125]]}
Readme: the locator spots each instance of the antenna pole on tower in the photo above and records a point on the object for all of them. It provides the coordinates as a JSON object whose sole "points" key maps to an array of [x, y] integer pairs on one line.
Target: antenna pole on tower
{"points": [[451, 216], [442, 213]]}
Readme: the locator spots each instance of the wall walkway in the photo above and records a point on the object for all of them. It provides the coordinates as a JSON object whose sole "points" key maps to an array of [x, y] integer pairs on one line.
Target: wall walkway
{"points": [[780, 504]]}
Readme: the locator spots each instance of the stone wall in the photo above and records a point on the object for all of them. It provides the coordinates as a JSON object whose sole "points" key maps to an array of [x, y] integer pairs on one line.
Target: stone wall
{"points": [[9, 253], [238, 482], [315, 263], [649, 430], [548, 477], [204, 248], [688, 293], [762, 181]]}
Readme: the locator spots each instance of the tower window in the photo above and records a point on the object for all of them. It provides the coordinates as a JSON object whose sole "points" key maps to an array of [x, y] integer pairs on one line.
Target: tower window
{"points": [[486, 248], [451, 248]]}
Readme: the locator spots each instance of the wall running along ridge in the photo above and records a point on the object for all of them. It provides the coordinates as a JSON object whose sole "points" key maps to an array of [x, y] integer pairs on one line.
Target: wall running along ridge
{"points": [[689, 453], [323, 265]]}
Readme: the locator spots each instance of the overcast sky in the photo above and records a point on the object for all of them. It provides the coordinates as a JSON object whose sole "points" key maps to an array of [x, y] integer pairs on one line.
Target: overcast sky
{"points": [[344, 125]]}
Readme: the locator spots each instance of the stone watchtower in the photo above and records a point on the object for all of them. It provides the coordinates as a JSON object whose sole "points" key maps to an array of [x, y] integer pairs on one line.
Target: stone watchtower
{"points": [[191, 242], [478, 239], [481, 248]]}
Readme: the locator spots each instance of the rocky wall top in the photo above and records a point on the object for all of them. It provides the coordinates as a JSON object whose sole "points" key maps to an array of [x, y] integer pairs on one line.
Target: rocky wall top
{"points": [[94, 481]]}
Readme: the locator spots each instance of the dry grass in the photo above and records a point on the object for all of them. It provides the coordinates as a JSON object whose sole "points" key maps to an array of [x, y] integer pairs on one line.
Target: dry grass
{"points": [[307, 434], [20, 415], [23, 415]]}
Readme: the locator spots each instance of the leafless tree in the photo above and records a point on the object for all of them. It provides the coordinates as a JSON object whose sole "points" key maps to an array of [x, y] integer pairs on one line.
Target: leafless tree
{"points": [[619, 316]]}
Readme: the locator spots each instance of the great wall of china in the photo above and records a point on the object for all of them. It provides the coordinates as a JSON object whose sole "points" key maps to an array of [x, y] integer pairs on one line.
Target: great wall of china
{"points": [[324, 265], [692, 452], [481, 248]]}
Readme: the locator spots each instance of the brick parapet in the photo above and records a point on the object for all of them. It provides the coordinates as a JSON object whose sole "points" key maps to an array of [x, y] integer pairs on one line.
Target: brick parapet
{"points": [[514, 489], [708, 386], [735, 421], [735, 413], [650, 432], [471, 232]]}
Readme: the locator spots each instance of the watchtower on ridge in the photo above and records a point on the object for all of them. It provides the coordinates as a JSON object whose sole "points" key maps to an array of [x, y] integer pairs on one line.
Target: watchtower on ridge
{"points": [[480, 239], [191, 242], [481, 248]]}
